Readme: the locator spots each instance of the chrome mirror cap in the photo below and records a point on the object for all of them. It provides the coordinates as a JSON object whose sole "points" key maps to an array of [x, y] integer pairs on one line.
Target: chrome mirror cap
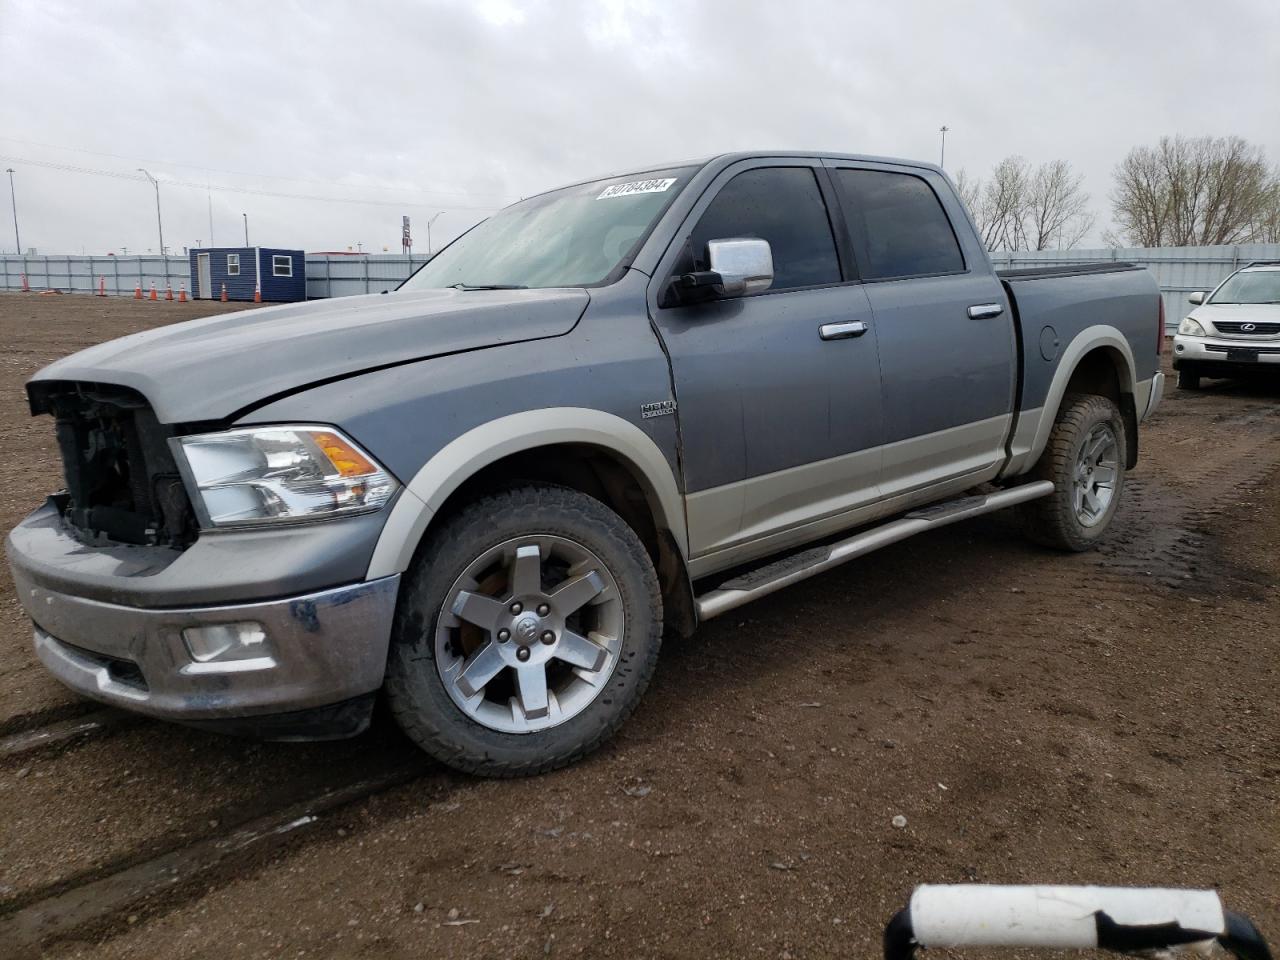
{"points": [[745, 266]]}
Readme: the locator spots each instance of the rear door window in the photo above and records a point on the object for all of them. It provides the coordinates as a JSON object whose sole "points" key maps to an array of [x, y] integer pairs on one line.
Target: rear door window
{"points": [[899, 227]]}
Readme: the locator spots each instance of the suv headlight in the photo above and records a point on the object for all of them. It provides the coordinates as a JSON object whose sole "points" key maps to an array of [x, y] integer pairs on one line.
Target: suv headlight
{"points": [[1191, 328], [279, 474]]}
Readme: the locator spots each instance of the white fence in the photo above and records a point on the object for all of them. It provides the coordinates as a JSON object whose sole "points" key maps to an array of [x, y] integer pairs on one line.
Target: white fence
{"points": [[81, 274], [327, 275], [1178, 270], [343, 276]]}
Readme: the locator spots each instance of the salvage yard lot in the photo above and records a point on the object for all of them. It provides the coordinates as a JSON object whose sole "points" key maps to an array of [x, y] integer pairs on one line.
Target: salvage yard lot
{"points": [[1100, 718]]}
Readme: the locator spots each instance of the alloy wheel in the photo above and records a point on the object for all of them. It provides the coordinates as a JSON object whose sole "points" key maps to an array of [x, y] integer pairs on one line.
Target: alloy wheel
{"points": [[529, 634], [1094, 478]]}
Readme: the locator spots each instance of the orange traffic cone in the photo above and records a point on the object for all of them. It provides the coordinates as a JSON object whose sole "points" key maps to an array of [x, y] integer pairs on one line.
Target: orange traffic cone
{"points": [[168, 290], [257, 293], [152, 295], [26, 287], [102, 286], [137, 291], [182, 293], [224, 293]]}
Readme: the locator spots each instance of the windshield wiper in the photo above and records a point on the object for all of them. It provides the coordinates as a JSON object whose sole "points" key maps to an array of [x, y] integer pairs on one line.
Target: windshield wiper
{"points": [[488, 286]]}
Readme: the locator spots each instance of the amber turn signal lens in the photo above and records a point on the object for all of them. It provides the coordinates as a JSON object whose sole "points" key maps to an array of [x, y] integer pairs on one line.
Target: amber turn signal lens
{"points": [[349, 461]]}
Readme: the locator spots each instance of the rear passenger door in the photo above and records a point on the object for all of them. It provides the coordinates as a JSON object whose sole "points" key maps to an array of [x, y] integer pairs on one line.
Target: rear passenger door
{"points": [[779, 426], [947, 350]]}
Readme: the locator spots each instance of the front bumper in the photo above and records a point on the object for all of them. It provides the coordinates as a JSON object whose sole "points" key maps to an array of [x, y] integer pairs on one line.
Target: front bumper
{"points": [[110, 622], [1216, 351]]}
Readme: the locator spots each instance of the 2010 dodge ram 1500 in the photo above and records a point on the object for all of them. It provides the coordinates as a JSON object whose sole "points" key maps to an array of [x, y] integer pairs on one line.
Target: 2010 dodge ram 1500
{"points": [[607, 412]]}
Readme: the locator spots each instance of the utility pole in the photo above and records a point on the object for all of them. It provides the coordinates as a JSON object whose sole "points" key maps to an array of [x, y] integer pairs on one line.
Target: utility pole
{"points": [[14, 201], [209, 195], [246, 228], [429, 223], [159, 223], [943, 158]]}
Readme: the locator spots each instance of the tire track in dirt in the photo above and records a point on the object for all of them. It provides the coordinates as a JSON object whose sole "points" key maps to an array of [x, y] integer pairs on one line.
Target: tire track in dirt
{"points": [[168, 877]]}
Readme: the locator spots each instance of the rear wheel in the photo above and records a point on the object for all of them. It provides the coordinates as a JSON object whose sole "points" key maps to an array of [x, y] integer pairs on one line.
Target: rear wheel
{"points": [[527, 631], [1085, 461], [1188, 377]]}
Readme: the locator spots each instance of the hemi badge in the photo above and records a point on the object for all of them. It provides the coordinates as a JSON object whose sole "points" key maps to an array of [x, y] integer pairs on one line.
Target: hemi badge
{"points": [[661, 408]]}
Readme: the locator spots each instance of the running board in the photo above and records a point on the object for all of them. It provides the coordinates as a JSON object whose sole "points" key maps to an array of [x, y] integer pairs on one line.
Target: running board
{"points": [[814, 560]]}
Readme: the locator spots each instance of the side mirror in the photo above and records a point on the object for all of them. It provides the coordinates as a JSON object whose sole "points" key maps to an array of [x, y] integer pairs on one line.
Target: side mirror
{"points": [[739, 267], [1196, 298]]}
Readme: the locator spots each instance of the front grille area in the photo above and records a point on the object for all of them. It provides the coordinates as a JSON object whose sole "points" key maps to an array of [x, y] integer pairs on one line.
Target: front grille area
{"points": [[122, 483], [1260, 329]]}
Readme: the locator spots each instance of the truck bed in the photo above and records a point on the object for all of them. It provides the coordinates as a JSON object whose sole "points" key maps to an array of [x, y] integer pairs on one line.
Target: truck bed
{"points": [[1067, 270]]}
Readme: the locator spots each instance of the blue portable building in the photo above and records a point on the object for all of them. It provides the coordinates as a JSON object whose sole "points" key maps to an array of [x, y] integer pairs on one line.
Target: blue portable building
{"points": [[281, 273]]}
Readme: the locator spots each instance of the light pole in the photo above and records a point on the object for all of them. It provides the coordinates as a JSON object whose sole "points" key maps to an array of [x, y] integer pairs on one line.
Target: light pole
{"points": [[429, 223], [14, 201], [943, 158], [159, 223], [246, 228]]}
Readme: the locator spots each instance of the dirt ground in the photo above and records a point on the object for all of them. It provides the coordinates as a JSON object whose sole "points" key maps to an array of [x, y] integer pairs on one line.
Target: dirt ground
{"points": [[1103, 718]]}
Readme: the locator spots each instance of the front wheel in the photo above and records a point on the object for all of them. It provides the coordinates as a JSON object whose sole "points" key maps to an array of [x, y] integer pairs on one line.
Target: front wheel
{"points": [[527, 631], [1085, 461]]}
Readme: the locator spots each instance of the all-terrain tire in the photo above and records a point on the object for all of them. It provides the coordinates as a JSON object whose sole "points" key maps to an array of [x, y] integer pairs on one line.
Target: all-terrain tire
{"points": [[1053, 520], [1188, 377], [415, 690]]}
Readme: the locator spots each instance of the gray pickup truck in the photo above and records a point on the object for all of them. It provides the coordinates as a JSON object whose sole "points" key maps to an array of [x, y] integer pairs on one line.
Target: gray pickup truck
{"points": [[605, 414]]}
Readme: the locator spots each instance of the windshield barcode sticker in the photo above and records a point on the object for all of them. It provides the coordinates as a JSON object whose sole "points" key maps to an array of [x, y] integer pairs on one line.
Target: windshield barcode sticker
{"points": [[636, 186]]}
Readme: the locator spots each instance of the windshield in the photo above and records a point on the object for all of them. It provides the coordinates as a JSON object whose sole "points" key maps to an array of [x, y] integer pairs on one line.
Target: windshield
{"points": [[567, 238], [1256, 286]]}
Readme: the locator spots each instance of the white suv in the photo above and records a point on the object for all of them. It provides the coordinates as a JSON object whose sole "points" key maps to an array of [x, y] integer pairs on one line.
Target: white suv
{"points": [[1232, 329]]}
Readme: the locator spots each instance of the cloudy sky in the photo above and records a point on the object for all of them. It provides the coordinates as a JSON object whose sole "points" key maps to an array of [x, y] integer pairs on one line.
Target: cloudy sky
{"points": [[324, 122]]}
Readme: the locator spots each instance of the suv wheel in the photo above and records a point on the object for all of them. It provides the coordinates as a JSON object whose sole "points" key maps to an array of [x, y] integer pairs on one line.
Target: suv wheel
{"points": [[527, 630], [1085, 460], [1188, 377]]}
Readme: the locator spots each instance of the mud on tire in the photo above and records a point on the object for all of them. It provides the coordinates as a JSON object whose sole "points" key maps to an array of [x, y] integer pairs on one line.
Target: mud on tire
{"points": [[1057, 520], [443, 716]]}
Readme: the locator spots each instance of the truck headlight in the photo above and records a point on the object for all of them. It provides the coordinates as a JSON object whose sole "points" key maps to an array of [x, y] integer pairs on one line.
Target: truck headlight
{"points": [[1191, 328], [278, 474]]}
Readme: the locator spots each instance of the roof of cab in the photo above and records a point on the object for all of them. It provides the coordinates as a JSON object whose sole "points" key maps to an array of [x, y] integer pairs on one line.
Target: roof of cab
{"points": [[725, 159]]}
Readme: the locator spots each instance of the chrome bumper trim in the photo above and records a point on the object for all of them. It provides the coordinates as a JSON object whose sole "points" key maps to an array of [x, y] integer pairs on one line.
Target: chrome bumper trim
{"points": [[1214, 350], [1156, 395], [322, 648]]}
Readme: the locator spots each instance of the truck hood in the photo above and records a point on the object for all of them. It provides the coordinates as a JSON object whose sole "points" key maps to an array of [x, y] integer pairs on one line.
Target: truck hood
{"points": [[211, 368]]}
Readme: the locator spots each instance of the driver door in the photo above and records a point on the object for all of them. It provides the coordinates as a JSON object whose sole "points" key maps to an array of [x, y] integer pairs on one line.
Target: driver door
{"points": [[778, 393]]}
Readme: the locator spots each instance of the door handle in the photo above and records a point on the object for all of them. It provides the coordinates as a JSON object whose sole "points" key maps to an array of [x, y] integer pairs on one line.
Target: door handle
{"points": [[985, 311], [842, 331]]}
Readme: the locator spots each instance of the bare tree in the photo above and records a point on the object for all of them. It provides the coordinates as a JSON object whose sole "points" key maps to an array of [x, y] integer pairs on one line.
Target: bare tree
{"points": [[1055, 209], [1266, 223], [1023, 207], [1190, 191], [970, 190]]}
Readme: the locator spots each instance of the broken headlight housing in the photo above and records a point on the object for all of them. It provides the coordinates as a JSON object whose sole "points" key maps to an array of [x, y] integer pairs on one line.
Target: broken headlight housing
{"points": [[280, 474]]}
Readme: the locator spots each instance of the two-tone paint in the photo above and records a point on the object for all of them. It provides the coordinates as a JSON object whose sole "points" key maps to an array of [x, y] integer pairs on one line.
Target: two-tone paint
{"points": [[741, 429]]}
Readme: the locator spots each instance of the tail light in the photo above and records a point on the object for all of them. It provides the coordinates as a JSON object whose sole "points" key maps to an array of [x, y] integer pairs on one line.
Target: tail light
{"points": [[1160, 329]]}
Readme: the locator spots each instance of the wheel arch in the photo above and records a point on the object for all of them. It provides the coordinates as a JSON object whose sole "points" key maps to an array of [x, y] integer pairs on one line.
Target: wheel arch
{"points": [[1098, 360], [592, 451]]}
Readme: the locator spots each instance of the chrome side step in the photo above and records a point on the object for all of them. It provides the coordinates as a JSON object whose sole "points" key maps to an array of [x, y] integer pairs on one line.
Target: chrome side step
{"points": [[814, 560]]}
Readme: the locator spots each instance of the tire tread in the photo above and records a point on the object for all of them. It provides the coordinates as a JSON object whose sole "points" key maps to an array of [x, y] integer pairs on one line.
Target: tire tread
{"points": [[1050, 521], [426, 729]]}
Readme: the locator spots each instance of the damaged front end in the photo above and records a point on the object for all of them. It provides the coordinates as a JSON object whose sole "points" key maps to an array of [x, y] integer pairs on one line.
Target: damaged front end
{"points": [[123, 486]]}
